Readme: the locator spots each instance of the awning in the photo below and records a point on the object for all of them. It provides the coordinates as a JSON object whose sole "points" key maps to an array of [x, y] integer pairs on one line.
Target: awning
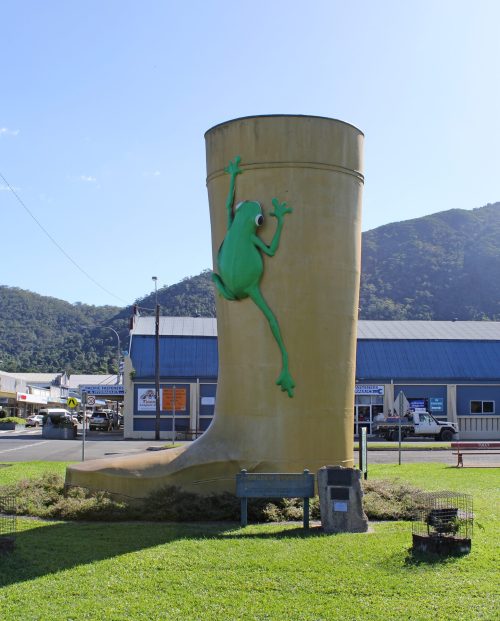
{"points": [[8, 395]]}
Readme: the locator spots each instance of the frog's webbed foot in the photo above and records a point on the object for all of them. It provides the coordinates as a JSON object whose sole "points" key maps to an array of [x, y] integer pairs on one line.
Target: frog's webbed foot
{"points": [[280, 209], [286, 382], [221, 287], [233, 168]]}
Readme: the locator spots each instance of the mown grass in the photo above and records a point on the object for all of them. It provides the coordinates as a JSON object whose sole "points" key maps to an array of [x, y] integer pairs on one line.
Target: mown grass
{"points": [[144, 571], [16, 471]]}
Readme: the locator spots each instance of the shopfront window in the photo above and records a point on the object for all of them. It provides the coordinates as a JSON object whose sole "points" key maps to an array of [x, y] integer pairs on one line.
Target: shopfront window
{"points": [[366, 408], [482, 407]]}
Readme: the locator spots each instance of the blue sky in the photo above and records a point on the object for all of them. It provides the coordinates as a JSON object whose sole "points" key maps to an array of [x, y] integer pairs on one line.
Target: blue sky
{"points": [[104, 104]]}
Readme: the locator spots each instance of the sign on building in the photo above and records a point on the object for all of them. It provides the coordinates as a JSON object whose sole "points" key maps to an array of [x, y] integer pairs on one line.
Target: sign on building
{"points": [[368, 389], [111, 390], [436, 404], [146, 400], [167, 401]]}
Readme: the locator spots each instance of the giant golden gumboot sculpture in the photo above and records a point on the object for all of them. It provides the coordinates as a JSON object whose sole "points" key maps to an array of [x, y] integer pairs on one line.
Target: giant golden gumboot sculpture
{"points": [[302, 318]]}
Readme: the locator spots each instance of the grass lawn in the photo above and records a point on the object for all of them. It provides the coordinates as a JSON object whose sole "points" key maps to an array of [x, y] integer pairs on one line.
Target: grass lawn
{"points": [[145, 571], [15, 471]]}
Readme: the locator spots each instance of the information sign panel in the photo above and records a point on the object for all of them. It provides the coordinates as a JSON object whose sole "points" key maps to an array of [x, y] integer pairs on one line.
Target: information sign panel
{"points": [[436, 404], [167, 400]]}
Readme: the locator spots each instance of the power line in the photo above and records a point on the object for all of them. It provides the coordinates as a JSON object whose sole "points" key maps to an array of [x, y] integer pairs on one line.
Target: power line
{"points": [[56, 244]]}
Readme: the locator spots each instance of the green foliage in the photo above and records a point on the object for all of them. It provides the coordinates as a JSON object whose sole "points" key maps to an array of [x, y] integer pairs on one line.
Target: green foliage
{"points": [[47, 497], [11, 419], [43, 334], [443, 266]]}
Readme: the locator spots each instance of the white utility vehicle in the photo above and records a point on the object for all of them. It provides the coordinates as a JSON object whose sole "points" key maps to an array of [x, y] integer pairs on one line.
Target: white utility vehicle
{"points": [[416, 424]]}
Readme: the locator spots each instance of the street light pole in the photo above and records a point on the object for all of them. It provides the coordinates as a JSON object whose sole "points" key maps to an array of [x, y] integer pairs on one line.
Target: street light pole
{"points": [[155, 279], [119, 352], [157, 361]]}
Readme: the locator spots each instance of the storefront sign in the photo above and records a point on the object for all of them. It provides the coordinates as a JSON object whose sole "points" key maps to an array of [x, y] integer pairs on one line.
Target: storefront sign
{"points": [[368, 389], [167, 401], [111, 390], [208, 401], [436, 404], [26, 398], [146, 400]]}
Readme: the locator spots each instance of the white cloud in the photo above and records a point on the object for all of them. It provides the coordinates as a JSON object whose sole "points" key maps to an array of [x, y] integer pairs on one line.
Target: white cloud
{"points": [[88, 178], [154, 173], [5, 131], [5, 188]]}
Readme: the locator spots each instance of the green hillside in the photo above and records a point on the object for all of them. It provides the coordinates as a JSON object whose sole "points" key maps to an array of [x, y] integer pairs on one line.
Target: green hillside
{"points": [[39, 333], [443, 266]]}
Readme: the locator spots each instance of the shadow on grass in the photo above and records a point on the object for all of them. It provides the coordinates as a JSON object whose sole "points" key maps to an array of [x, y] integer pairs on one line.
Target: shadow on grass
{"points": [[53, 547], [419, 559], [296, 532]]}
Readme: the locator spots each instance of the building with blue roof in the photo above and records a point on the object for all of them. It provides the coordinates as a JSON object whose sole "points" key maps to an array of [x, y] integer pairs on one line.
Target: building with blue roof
{"points": [[450, 368]]}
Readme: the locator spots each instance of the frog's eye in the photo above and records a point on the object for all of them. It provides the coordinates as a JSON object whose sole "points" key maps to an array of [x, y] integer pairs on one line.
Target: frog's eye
{"points": [[259, 220]]}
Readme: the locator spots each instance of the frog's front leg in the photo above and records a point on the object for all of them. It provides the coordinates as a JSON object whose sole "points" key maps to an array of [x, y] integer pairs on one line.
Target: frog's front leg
{"points": [[285, 380]]}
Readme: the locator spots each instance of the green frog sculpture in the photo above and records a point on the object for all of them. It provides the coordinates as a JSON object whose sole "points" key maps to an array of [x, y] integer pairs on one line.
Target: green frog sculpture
{"points": [[240, 260]]}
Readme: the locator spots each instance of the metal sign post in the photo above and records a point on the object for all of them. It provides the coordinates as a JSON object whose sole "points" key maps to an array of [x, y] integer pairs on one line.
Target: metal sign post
{"points": [[363, 453], [400, 401], [173, 416], [84, 422]]}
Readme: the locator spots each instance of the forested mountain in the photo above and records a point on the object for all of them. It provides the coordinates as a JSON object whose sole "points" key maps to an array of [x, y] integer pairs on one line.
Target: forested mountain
{"points": [[44, 334], [39, 333], [444, 266]]}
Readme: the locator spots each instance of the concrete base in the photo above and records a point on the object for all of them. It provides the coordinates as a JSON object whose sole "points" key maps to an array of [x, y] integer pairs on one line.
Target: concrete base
{"points": [[444, 546], [58, 433]]}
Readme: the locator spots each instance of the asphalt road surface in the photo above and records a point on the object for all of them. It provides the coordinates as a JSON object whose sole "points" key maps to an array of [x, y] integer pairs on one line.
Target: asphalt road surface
{"points": [[28, 445]]}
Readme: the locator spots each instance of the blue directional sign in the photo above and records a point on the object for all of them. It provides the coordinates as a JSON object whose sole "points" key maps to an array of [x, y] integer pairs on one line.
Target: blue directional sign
{"points": [[112, 390], [436, 404]]}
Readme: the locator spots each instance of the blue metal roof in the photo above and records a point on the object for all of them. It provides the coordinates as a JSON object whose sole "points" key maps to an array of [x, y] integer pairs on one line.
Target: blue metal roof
{"points": [[428, 360], [437, 360], [180, 356]]}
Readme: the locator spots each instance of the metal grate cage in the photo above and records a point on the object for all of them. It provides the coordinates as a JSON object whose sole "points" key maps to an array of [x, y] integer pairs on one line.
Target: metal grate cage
{"points": [[443, 515], [8, 519]]}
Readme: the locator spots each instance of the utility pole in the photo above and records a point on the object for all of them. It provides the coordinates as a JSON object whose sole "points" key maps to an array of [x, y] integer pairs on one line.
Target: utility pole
{"points": [[173, 415], [118, 353], [157, 372]]}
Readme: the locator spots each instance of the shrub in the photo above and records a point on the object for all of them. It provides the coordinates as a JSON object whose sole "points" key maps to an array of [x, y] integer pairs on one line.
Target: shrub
{"points": [[46, 497], [12, 419], [389, 499]]}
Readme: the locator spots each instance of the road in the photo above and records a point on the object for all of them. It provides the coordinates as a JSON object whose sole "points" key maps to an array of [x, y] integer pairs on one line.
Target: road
{"points": [[28, 445]]}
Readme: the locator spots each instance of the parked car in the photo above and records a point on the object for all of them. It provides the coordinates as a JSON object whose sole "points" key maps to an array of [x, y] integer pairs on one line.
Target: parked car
{"points": [[35, 420], [101, 420], [88, 416]]}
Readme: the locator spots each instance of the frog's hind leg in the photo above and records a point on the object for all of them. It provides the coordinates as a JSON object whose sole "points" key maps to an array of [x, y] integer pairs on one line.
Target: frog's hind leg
{"points": [[221, 287], [285, 380]]}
